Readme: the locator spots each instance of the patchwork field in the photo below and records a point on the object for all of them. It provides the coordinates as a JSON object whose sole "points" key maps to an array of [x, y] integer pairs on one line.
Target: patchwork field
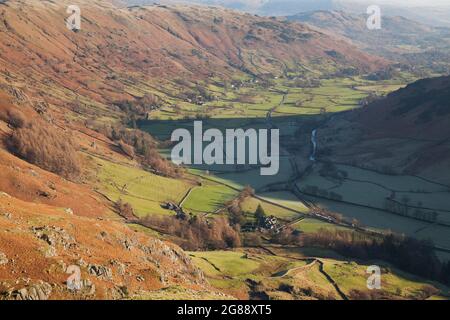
{"points": [[252, 101], [363, 195], [383, 221]]}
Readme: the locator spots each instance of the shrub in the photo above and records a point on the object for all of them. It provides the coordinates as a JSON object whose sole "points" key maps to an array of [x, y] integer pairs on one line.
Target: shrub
{"points": [[260, 215], [44, 146], [141, 106], [252, 239], [125, 210], [236, 215], [126, 149], [197, 233], [14, 118], [162, 166], [287, 236]]}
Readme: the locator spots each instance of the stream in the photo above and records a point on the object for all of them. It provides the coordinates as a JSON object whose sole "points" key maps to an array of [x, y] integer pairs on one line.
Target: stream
{"points": [[314, 143]]}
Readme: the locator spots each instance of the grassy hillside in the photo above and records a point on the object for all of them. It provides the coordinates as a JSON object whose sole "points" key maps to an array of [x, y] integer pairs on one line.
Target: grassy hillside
{"points": [[143, 190]]}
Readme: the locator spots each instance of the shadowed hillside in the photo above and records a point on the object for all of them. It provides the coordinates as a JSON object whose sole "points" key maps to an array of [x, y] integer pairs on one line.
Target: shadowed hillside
{"points": [[408, 131]]}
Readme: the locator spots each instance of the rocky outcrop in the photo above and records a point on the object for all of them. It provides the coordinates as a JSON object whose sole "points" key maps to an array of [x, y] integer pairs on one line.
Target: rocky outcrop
{"points": [[38, 291], [55, 236], [158, 253], [100, 271], [114, 262]]}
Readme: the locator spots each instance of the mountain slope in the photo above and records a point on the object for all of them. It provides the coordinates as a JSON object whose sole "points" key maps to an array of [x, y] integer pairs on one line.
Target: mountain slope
{"points": [[435, 14], [64, 80], [400, 39], [116, 46], [406, 132], [354, 26], [115, 262]]}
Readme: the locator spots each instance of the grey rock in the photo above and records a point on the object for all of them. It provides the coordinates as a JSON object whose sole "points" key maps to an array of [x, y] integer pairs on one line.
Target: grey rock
{"points": [[38, 291], [55, 236], [100, 271], [140, 278]]}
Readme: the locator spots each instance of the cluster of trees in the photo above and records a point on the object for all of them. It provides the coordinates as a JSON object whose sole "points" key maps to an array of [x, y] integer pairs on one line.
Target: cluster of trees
{"points": [[252, 239], [346, 72], [260, 216], [134, 142], [237, 216], [40, 143], [381, 75], [403, 209], [197, 233], [328, 169], [288, 236], [141, 106], [198, 95]]}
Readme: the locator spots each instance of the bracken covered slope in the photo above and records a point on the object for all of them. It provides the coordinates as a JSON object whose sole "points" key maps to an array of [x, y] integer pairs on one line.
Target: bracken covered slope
{"points": [[119, 45]]}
